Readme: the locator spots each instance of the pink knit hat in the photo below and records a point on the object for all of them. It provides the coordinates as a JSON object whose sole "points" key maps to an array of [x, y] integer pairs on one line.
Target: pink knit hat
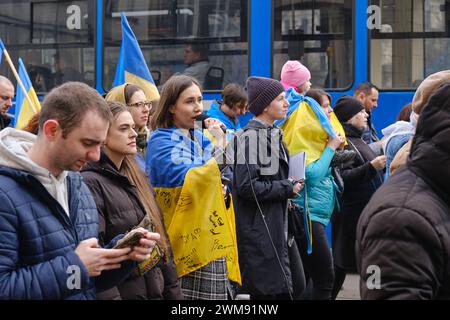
{"points": [[294, 74]]}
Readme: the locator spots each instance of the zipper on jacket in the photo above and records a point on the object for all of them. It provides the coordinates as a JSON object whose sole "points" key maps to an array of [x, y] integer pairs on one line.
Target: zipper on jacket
{"points": [[56, 208]]}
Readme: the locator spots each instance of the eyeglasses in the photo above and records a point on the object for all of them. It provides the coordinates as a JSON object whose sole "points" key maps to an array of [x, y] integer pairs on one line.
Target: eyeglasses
{"points": [[141, 104]]}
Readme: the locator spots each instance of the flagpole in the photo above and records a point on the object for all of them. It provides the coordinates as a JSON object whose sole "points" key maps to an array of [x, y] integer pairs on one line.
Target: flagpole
{"points": [[13, 69]]}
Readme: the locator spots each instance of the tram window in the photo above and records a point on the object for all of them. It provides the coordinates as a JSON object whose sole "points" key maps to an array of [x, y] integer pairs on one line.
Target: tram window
{"points": [[166, 31], [313, 33], [53, 38], [412, 41]]}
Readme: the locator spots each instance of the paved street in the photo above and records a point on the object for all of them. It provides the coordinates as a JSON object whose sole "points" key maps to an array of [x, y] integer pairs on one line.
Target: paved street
{"points": [[350, 290]]}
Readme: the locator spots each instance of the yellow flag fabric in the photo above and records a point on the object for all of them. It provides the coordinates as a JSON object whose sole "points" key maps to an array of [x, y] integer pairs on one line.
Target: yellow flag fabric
{"points": [[199, 226], [302, 131], [24, 112], [150, 90]]}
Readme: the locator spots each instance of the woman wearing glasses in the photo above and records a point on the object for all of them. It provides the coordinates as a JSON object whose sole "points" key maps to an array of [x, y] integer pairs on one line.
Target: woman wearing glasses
{"points": [[134, 98]]}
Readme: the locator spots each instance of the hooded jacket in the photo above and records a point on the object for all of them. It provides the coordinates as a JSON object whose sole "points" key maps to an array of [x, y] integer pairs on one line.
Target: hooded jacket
{"points": [[38, 237], [15, 145], [405, 228]]}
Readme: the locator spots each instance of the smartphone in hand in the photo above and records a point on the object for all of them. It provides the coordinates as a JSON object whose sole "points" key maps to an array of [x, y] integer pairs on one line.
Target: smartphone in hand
{"points": [[131, 239]]}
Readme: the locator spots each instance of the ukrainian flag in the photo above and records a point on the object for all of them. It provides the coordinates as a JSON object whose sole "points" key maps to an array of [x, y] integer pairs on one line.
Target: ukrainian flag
{"points": [[187, 182], [24, 112], [306, 127], [131, 66], [2, 47]]}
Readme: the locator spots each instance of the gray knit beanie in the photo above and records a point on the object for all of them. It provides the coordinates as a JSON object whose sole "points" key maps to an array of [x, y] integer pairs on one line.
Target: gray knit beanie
{"points": [[261, 92]]}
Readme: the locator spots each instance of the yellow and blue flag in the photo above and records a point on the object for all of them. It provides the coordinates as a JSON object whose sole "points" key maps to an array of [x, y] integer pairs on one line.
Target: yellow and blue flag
{"points": [[131, 66], [306, 127], [23, 111], [187, 182]]}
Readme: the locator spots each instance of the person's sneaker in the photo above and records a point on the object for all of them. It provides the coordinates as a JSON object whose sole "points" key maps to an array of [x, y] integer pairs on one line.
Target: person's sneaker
{"points": [[342, 157]]}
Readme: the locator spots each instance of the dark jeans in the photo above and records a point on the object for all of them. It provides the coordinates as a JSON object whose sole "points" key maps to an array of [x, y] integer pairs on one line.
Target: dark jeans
{"points": [[339, 279], [319, 264]]}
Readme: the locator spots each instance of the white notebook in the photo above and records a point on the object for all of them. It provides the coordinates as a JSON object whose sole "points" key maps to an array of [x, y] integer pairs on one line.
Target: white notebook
{"points": [[297, 166]]}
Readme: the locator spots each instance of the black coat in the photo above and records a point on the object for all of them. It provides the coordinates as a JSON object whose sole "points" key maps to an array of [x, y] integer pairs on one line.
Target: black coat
{"points": [[4, 122], [361, 180], [260, 269], [120, 209], [405, 229]]}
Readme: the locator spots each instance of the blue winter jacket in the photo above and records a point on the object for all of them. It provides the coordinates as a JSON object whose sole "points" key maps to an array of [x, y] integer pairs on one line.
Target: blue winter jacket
{"points": [[321, 189], [38, 240], [392, 148], [215, 112]]}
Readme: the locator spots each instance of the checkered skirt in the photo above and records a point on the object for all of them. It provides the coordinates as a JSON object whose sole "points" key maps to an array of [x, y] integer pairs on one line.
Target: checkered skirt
{"points": [[207, 283]]}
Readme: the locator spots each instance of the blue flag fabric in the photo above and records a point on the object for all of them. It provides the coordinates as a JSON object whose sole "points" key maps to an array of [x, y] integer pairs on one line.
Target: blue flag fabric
{"points": [[2, 47], [170, 154], [119, 78], [131, 66]]}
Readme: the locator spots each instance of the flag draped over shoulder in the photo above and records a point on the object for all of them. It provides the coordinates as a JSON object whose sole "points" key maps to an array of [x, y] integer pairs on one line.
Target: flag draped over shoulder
{"points": [[131, 66], [187, 182], [306, 127], [23, 111]]}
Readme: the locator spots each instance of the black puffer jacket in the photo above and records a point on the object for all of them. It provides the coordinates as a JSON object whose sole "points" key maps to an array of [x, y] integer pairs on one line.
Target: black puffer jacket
{"points": [[361, 180], [120, 209], [405, 229], [261, 271]]}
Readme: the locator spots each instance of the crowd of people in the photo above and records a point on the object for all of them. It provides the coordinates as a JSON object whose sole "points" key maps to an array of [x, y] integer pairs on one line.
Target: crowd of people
{"points": [[120, 197]]}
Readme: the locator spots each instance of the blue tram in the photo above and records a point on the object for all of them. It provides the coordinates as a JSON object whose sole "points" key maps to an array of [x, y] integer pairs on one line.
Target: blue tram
{"points": [[392, 43]]}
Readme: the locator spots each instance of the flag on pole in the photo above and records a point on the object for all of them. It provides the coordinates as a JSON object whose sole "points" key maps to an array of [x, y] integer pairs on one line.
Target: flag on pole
{"points": [[131, 66], [24, 112], [2, 47]]}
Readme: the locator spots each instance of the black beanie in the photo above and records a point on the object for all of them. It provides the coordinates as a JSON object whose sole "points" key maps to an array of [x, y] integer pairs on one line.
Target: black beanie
{"points": [[347, 107], [261, 92]]}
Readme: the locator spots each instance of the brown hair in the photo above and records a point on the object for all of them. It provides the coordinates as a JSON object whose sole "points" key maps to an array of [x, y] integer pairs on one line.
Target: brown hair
{"points": [[366, 88], [234, 95], [170, 93], [33, 125], [317, 94], [130, 89], [69, 103], [405, 113], [130, 168]]}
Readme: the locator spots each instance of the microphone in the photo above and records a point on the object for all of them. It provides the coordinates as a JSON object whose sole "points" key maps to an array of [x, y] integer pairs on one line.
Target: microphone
{"points": [[203, 117]]}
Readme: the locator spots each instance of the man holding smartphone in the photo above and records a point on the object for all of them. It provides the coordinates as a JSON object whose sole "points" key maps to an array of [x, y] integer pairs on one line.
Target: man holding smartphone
{"points": [[48, 218]]}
